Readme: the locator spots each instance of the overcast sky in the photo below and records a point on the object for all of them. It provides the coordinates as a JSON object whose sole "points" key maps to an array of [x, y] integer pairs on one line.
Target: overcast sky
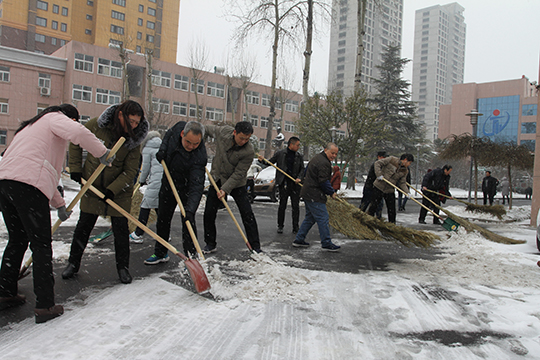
{"points": [[502, 41]]}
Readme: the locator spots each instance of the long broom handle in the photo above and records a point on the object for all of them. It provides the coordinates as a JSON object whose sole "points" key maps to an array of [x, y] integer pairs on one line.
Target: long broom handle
{"points": [[228, 208], [284, 173], [413, 199], [182, 210], [425, 197], [446, 196], [74, 202]]}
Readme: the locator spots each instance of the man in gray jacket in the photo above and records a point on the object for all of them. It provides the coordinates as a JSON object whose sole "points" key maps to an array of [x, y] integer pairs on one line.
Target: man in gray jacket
{"points": [[234, 155]]}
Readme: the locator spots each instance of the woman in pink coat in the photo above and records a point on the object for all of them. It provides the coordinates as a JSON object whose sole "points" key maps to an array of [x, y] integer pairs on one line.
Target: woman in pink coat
{"points": [[29, 174]]}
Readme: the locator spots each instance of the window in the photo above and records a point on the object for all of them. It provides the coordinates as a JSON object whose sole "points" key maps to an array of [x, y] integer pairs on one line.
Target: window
{"points": [[252, 97], [64, 11], [265, 101], [139, 35], [291, 105], [215, 89], [262, 143], [117, 29], [291, 127], [82, 92], [109, 68], [214, 114], [151, 25], [141, 8], [4, 73], [84, 62], [63, 27], [150, 38], [55, 9], [89, 3], [88, 31], [181, 82], [4, 106], [264, 122], [161, 105], [107, 97], [254, 119], [179, 108], [54, 25], [528, 128], [40, 38], [151, 12], [84, 119], [528, 110], [119, 2], [138, 49], [53, 41], [62, 42], [41, 21], [193, 110], [118, 15], [200, 86], [161, 78], [152, 1], [44, 80], [3, 137], [42, 5]]}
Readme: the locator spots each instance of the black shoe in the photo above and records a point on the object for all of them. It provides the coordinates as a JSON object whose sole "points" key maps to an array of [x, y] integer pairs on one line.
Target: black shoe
{"points": [[258, 251], [11, 301], [208, 249], [421, 221], [436, 222], [295, 231], [43, 315], [69, 271], [300, 243], [125, 277], [280, 230]]}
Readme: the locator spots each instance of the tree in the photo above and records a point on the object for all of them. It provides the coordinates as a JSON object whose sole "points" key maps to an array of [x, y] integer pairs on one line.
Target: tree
{"points": [[198, 63], [397, 111], [360, 19]]}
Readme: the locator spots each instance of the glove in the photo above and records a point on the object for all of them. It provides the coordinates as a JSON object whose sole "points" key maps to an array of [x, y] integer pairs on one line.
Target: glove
{"points": [[160, 155], [63, 214], [108, 195], [143, 184], [408, 196], [189, 217], [103, 158], [76, 176], [380, 178]]}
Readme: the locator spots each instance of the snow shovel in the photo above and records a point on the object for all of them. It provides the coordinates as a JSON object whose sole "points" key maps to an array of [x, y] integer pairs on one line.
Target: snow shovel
{"points": [[198, 276], [23, 273], [182, 210], [228, 209], [447, 223]]}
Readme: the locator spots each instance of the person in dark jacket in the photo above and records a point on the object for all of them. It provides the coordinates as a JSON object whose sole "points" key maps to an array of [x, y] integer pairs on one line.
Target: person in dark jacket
{"points": [[292, 162], [184, 153], [367, 191], [489, 187], [437, 180], [335, 181], [116, 182], [316, 188]]}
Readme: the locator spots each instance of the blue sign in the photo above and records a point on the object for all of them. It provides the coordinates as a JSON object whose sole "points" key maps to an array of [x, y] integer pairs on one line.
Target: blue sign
{"points": [[496, 122]]}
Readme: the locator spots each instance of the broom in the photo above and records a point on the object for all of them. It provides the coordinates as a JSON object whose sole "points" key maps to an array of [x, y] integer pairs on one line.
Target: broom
{"points": [[495, 210], [473, 227]]}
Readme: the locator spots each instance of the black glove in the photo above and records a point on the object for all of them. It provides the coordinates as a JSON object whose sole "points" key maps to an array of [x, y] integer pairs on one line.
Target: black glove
{"points": [[76, 176], [108, 195], [160, 155], [189, 217]]}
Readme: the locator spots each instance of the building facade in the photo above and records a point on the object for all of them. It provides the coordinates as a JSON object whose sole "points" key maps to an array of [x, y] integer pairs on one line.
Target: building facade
{"points": [[438, 61], [509, 111], [383, 27], [44, 26], [91, 78]]}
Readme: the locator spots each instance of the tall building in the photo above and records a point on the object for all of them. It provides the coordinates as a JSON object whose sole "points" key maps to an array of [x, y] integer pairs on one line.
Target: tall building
{"points": [[45, 26], [383, 27], [438, 61]]}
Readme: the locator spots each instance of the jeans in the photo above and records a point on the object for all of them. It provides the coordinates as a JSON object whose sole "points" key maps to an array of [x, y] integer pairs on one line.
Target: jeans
{"points": [[289, 189], [389, 199], [316, 212]]}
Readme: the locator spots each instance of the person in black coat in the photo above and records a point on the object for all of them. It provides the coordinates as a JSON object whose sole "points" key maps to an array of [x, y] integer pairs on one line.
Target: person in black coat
{"points": [[437, 180], [292, 162], [489, 187], [367, 191]]}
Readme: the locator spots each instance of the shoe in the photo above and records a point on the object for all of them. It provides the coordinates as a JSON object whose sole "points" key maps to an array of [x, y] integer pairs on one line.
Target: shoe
{"points": [[331, 247], [280, 230], [43, 315], [421, 221], [11, 301], [300, 244], [208, 249], [436, 222], [258, 251], [295, 231], [135, 239], [125, 277], [69, 271], [154, 259], [400, 209]]}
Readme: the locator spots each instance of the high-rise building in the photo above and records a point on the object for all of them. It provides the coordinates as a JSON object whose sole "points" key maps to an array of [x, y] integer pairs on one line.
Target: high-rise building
{"points": [[438, 61], [383, 27], [45, 26]]}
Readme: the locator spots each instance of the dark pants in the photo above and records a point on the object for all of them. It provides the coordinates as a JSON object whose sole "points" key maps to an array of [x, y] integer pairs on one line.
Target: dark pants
{"points": [[367, 195], [250, 187], [390, 200], [423, 212], [507, 198], [28, 220], [167, 205], [488, 196], [144, 214], [240, 196], [82, 233], [289, 189]]}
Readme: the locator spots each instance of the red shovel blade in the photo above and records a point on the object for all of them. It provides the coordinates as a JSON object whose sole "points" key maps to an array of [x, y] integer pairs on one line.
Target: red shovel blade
{"points": [[197, 275]]}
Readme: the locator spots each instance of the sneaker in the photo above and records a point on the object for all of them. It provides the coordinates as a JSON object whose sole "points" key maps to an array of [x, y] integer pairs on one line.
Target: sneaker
{"points": [[300, 243], [421, 221], [11, 301], [43, 315], [331, 247], [208, 249], [280, 230], [135, 239], [154, 259], [258, 251]]}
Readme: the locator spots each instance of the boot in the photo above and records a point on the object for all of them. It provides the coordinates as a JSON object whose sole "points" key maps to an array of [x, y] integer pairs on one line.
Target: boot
{"points": [[43, 315], [69, 271], [124, 276]]}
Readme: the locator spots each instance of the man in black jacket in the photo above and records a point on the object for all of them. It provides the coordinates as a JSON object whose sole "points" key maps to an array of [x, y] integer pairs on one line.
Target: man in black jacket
{"points": [[437, 180], [184, 153], [290, 161], [367, 191], [489, 187]]}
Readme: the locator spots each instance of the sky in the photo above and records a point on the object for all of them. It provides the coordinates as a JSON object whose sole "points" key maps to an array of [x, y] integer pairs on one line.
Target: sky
{"points": [[502, 40]]}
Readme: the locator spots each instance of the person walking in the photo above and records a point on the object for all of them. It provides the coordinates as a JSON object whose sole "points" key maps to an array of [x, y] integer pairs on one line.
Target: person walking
{"points": [[184, 154], [489, 187], [505, 189], [367, 191], [314, 192], [151, 174], [234, 155], [292, 162], [29, 175], [116, 182], [395, 171], [437, 180]]}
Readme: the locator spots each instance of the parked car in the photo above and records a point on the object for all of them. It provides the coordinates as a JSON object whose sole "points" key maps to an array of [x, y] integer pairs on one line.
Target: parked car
{"points": [[265, 184]]}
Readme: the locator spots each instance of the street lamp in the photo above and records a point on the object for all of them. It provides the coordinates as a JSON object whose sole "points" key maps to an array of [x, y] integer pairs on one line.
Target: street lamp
{"points": [[474, 122], [333, 129]]}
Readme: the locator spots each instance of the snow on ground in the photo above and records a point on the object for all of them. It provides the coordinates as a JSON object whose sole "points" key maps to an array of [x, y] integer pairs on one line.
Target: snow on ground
{"points": [[478, 301]]}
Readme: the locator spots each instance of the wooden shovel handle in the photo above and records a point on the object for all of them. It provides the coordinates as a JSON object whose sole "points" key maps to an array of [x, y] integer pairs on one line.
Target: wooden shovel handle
{"points": [[413, 199], [284, 173]]}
